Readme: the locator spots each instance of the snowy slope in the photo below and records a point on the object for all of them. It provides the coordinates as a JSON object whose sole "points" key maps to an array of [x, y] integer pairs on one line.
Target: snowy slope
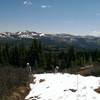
{"points": [[64, 87]]}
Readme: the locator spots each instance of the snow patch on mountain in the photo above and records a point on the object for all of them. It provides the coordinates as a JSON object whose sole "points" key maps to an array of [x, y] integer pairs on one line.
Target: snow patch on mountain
{"points": [[42, 34], [24, 34]]}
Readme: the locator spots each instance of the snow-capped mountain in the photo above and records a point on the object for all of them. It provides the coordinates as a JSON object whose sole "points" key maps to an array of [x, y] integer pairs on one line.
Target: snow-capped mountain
{"points": [[61, 40], [25, 34]]}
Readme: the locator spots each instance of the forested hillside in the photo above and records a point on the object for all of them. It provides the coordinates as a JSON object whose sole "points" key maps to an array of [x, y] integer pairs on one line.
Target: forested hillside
{"points": [[42, 58]]}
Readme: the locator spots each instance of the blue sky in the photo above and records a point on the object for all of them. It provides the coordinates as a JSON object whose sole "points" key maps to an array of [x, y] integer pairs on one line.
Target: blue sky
{"points": [[51, 16]]}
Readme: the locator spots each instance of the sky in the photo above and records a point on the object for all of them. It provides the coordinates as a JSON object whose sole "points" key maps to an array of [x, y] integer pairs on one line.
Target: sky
{"points": [[51, 16]]}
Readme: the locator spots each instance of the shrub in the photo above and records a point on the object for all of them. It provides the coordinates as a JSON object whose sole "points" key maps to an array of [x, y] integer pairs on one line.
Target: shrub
{"points": [[11, 77]]}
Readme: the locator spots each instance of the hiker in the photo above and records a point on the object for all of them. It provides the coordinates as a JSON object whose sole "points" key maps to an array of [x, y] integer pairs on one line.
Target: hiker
{"points": [[56, 69], [29, 70]]}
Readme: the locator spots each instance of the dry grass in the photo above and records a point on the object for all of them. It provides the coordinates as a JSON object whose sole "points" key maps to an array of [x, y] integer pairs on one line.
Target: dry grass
{"points": [[19, 93], [11, 78]]}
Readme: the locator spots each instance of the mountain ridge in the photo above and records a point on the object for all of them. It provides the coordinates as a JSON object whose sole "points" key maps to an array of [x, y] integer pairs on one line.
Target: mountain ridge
{"points": [[63, 39]]}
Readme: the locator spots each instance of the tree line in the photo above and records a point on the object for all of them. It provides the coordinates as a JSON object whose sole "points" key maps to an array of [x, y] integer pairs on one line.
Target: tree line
{"points": [[41, 57]]}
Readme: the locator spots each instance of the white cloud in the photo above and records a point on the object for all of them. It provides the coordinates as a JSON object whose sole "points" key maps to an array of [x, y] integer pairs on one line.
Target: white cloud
{"points": [[95, 33], [43, 6], [27, 3], [46, 6]]}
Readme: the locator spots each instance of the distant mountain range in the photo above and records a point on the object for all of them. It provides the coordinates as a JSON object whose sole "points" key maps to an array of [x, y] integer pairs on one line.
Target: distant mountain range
{"points": [[61, 40], [25, 34]]}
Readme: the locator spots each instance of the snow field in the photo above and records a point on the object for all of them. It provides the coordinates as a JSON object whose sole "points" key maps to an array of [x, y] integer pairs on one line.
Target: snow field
{"points": [[64, 87]]}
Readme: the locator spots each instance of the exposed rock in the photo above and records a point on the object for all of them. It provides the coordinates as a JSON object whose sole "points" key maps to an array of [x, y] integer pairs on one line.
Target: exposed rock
{"points": [[98, 90], [42, 80], [73, 90]]}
